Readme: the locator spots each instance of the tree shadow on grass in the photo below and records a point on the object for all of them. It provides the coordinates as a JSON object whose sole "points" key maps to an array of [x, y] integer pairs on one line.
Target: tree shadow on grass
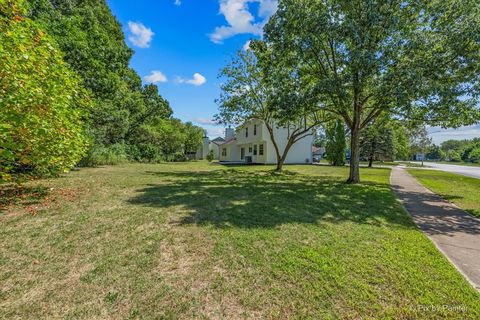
{"points": [[264, 199], [13, 194]]}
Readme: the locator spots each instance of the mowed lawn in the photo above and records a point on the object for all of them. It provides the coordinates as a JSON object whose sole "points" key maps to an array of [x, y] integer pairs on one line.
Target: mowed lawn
{"points": [[199, 240], [461, 190]]}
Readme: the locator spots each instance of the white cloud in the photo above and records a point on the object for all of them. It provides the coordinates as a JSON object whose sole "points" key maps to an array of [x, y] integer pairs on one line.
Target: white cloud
{"points": [[140, 35], [267, 8], [241, 20], [178, 2], [155, 77], [197, 80], [215, 132], [206, 121], [246, 46], [468, 132]]}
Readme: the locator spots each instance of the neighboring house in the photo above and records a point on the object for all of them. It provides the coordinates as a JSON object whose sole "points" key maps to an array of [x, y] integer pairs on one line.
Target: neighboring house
{"points": [[214, 144], [419, 157], [252, 144], [317, 153]]}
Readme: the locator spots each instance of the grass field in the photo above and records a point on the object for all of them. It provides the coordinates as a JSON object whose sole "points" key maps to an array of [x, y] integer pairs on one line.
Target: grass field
{"points": [[195, 240], [461, 190]]}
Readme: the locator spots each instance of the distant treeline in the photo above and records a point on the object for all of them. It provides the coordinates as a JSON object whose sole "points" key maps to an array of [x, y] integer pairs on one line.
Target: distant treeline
{"points": [[456, 151], [69, 97]]}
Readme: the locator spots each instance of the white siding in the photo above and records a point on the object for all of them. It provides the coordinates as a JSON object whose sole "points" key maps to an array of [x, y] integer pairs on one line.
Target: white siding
{"points": [[299, 153]]}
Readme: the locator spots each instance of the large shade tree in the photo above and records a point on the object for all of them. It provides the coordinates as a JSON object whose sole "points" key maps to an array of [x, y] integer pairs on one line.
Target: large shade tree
{"points": [[259, 86], [364, 58]]}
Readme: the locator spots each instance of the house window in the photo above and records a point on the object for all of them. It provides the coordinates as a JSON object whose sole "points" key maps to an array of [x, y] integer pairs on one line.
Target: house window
{"points": [[254, 129], [255, 150], [224, 152], [246, 132], [250, 149], [260, 149]]}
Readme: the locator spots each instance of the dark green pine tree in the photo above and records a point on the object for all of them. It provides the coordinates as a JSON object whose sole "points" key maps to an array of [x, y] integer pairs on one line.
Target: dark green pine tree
{"points": [[377, 143], [336, 143]]}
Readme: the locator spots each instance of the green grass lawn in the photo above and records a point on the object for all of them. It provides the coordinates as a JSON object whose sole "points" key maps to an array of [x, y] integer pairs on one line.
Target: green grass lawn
{"points": [[198, 240], [461, 190]]}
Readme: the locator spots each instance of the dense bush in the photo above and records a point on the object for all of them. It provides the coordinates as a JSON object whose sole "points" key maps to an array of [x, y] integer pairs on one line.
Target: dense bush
{"points": [[210, 156], [461, 150], [101, 155], [41, 100]]}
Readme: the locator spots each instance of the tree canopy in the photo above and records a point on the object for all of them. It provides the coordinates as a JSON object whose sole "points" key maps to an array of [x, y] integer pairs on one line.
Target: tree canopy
{"points": [[260, 86], [418, 60]]}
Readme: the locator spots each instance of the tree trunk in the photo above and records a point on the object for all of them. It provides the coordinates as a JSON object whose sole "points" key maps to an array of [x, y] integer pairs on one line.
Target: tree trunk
{"points": [[354, 176], [281, 160], [370, 161]]}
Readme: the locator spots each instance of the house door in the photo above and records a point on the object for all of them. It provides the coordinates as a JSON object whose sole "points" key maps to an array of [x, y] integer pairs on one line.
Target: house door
{"points": [[242, 154]]}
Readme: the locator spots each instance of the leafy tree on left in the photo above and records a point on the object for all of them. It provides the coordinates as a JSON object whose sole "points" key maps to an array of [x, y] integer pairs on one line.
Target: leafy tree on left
{"points": [[94, 47], [42, 103]]}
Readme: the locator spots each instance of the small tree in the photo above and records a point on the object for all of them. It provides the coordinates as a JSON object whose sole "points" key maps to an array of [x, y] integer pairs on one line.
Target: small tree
{"points": [[260, 86], [193, 138], [336, 144], [376, 143], [419, 141], [210, 156], [435, 153]]}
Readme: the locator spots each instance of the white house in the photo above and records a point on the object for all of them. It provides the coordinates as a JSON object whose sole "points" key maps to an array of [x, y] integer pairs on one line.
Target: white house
{"points": [[252, 144], [214, 145]]}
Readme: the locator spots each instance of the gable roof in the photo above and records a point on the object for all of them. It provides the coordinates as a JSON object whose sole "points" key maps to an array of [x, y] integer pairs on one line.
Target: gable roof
{"points": [[318, 150], [218, 140], [229, 141]]}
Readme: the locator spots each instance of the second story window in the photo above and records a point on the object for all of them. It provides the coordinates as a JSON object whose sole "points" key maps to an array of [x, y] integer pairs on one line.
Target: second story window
{"points": [[254, 129], [246, 132]]}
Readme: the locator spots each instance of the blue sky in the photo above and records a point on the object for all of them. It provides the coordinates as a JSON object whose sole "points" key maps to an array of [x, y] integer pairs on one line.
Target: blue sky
{"points": [[181, 45]]}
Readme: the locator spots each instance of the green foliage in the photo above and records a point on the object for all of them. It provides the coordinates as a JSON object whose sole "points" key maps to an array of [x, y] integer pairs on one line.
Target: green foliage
{"points": [[165, 140], [377, 143], [470, 153], [401, 146], [42, 103], [420, 142], [210, 156], [460, 150], [453, 155], [101, 155], [336, 144], [94, 46], [474, 155], [260, 86], [319, 138], [193, 137], [435, 153]]}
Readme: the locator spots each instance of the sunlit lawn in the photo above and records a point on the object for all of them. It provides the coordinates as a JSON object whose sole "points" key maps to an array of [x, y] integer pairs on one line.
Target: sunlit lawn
{"points": [[199, 240], [461, 190]]}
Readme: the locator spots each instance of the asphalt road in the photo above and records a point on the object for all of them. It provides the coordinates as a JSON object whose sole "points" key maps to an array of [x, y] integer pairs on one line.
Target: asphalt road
{"points": [[465, 170]]}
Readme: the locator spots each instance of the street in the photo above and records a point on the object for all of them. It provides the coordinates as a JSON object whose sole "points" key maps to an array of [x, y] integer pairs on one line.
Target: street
{"points": [[470, 171]]}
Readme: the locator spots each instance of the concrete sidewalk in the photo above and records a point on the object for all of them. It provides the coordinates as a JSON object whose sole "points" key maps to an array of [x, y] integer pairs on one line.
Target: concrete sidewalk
{"points": [[455, 232]]}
